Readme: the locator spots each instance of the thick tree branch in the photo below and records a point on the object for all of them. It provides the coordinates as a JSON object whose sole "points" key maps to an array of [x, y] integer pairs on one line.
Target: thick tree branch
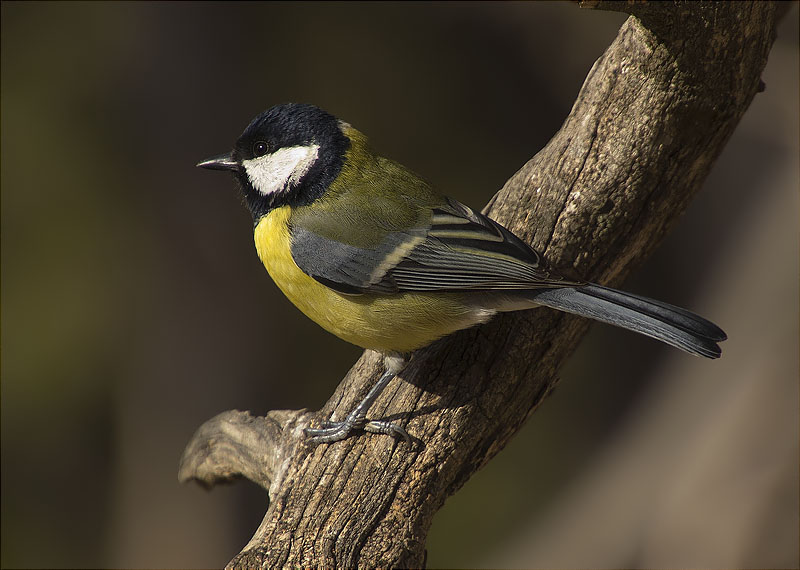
{"points": [[654, 113]]}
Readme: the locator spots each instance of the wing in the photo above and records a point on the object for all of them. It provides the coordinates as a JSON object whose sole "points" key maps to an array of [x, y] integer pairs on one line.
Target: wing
{"points": [[452, 249]]}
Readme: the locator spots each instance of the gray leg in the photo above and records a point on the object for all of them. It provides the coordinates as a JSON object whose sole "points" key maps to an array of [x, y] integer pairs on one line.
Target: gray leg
{"points": [[357, 419]]}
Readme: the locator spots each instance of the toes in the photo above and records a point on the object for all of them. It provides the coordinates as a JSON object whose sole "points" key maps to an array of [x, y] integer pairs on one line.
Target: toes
{"points": [[330, 432], [377, 426]]}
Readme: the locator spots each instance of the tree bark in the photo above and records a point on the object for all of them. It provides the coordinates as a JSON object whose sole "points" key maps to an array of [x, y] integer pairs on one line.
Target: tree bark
{"points": [[652, 116]]}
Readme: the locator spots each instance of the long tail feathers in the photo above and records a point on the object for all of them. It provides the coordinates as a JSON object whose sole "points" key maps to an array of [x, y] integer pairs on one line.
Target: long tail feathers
{"points": [[667, 323]]}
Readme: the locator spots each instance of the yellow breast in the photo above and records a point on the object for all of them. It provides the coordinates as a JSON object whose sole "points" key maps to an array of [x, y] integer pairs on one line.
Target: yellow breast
{"points": [[394, 323]]}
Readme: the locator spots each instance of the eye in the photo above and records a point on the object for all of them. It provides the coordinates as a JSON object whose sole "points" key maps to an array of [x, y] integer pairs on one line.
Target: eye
{"points": [[260, 148]]}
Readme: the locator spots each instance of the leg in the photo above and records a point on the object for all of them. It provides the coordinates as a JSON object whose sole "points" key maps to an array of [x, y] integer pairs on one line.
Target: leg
{"points": [[357, 419]]}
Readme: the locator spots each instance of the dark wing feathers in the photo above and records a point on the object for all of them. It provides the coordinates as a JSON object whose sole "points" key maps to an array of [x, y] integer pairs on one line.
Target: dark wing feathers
{"points": [[345, 268], [458, 250]]}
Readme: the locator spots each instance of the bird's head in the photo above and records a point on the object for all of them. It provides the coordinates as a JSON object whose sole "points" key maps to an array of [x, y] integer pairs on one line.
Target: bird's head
{"points": [[289, 154]]}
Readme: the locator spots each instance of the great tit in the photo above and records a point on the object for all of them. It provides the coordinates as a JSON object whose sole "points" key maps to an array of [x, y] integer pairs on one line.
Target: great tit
{"points": [[370, 252]]}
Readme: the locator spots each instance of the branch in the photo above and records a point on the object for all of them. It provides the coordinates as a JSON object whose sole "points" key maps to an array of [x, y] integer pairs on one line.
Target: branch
{"points": [[652, 116]]}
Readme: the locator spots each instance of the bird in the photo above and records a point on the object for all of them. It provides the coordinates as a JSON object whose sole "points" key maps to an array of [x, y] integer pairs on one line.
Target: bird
{"points": [[372, 253]]}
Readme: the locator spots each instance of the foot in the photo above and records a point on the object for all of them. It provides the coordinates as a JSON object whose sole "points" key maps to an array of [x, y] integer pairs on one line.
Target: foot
{"points": [[357, 419], [337, 431]]}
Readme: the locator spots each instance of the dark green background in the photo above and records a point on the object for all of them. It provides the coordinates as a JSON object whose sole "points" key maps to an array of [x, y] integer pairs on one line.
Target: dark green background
{"points": [[134, 307]]}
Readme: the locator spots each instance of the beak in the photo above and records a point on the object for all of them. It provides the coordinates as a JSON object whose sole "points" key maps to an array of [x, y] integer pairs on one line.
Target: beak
{"points": [[221, 162]]}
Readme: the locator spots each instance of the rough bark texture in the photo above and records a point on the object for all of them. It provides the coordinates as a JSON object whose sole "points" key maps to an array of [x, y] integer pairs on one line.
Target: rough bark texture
{"points": [[654, 113]]}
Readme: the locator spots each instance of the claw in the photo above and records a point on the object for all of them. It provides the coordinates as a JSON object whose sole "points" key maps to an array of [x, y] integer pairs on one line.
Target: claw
{"points": [[387, 428]]}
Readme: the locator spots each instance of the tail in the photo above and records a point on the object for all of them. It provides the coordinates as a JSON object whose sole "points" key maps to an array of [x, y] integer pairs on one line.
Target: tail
{"points": [[667, 323]]}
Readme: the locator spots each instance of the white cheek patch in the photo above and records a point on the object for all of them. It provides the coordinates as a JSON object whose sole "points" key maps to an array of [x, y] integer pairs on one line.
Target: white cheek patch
{"points": [[274, 173]]}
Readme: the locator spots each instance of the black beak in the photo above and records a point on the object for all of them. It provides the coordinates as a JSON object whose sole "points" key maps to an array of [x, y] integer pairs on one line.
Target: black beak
{"points": [[221, 162]]}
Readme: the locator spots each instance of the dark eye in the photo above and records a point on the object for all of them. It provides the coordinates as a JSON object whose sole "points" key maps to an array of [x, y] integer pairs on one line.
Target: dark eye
{"points": [[260, 148]]}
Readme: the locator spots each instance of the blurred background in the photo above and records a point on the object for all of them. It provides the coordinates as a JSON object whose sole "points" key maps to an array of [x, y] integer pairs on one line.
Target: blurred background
{"points": [[134, 307]]}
